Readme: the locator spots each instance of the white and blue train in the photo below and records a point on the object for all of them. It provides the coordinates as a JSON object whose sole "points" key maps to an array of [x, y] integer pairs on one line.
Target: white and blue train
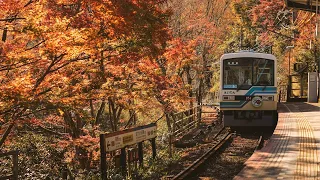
{"points": [[248, 89]]}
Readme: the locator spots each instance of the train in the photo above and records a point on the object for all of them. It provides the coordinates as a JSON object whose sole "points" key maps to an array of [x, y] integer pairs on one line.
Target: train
{"points": [[248, 89]]}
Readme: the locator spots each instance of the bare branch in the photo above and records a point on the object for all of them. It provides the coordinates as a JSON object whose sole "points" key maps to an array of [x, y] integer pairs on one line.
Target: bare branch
{"points": [[70, 61], [28, 3], [11, 19], [35, 45]]}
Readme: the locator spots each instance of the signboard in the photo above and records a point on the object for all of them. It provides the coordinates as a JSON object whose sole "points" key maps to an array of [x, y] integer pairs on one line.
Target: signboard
{"points": [[229, 86], [120, 139], [306, 5]]}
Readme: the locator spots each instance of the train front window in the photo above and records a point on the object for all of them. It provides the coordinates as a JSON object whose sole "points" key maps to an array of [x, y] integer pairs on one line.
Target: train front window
{"points": [[243, 73], [263, 72], [237, 73]]}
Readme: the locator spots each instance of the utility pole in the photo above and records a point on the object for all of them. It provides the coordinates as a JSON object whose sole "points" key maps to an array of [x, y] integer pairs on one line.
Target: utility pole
{"points": [[289, 79], [315, 48], [289, 47], [289, 63]]}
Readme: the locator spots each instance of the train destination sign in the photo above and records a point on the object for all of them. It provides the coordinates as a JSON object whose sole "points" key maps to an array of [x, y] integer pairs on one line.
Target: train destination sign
{"points": [[120, 139]]}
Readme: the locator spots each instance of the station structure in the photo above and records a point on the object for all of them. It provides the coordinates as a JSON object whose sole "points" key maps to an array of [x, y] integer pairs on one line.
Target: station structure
{"points": [[293, 151]]}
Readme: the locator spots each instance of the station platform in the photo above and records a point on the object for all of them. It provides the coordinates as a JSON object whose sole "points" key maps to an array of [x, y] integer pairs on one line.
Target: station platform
{"points": [[293, 151]]}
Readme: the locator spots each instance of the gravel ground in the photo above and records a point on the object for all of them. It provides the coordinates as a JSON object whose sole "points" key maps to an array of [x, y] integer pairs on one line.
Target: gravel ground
{"points": [[193, 147], [230, 162], [223, 166]]}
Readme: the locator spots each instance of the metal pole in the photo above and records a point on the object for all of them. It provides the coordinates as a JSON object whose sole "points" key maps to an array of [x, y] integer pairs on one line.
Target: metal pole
{"points": [[289, 79], [289, 62], [317, 19]]}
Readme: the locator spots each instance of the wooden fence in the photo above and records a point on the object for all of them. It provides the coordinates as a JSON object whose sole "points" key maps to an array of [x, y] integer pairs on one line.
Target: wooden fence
{"points": [[185, 121], [14, 174], [188, 120]]}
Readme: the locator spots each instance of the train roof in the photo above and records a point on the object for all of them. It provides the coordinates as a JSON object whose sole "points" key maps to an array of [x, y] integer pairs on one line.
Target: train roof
{"points": [[247, 54]]}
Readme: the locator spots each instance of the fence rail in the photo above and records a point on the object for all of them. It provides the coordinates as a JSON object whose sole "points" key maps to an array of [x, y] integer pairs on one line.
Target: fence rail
{"points": [[188, 120], [185, 121]]}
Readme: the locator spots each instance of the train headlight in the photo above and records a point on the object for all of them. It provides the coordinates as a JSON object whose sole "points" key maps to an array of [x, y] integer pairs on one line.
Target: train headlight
{"points": [[228, 98], [267, 98], [256, 101]]}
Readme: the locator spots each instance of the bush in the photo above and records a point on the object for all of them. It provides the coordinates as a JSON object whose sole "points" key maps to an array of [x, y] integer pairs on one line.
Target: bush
{"points": [[38, 158]]}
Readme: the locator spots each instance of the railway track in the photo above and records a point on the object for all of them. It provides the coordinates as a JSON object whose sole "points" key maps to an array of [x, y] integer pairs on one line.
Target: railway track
{"points": [[217, 142], [239, 149], [231, 160]]}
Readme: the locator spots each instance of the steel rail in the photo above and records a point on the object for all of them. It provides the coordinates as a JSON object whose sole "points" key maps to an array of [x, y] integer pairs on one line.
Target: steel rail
{"points": [[260, 143], [190, 169]]}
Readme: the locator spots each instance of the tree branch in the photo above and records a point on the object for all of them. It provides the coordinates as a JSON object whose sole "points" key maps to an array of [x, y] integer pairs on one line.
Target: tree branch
{"points": [[11, 19], [4, 34], [28, 3], [48, 70], [36, 45], [70, 61]]}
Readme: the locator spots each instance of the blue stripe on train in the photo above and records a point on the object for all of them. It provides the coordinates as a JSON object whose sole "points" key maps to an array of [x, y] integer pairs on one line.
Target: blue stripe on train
{"points": [[251, 92], [262, 90], [233, 104]]}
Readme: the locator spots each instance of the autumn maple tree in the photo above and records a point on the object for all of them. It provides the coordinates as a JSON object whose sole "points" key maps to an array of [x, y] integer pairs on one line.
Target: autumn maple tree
{"points": [[80, 64], [73, 69]]}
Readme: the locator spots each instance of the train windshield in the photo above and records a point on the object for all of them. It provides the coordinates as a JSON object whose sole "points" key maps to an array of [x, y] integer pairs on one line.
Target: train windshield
{"points": [[243, 73]]}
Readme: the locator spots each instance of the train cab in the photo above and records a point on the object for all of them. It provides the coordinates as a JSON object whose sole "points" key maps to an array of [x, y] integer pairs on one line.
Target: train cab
{"points": [[248, 92]]}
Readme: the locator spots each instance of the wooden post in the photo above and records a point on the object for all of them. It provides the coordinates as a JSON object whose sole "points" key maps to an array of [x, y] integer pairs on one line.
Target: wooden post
{"points": [[174, 124], [199, 112], [64, 174], [15, 165], [123, 161], [140, 154], [117, 161], [103, 157], [154, 151], [136, 158], [130, 159], [170, 134]]}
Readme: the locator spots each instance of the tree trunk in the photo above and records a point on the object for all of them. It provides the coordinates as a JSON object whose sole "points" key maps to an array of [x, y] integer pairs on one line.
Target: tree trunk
{"points": [[114, 113], [75, 124], [83, 157], [91, 108], [110, 116], [6, 133], [170, 134], [100, 112], [189, 81]]}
